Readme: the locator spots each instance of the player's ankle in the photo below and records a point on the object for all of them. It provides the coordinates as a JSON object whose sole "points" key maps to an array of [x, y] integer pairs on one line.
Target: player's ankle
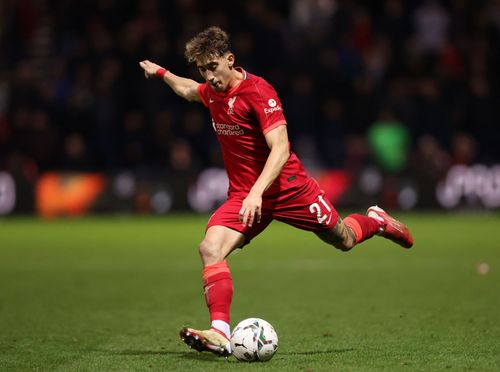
{"points": [[222, 327]]}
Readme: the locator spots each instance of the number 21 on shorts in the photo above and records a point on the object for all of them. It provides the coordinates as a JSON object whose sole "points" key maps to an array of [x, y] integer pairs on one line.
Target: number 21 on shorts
{"points": [[318, 209]]}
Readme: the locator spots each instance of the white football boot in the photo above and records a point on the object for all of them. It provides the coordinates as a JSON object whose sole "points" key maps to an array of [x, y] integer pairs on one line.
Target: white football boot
{"points": [[210, 340]]}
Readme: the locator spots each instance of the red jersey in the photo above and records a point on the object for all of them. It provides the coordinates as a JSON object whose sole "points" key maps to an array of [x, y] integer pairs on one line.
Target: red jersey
{"points": [[240, 118]]}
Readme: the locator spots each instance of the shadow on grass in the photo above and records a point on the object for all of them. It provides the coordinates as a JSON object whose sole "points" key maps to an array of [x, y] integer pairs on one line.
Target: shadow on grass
{"points": [[193, 355], [207, 357]]}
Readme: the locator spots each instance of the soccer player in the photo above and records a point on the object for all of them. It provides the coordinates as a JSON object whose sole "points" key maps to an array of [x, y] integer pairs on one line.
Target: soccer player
{"points": [[266, 179]]}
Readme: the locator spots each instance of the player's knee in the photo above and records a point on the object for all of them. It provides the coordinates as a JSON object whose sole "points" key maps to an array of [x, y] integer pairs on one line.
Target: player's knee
{"points": [[209, 251], [338, 237], [344, 246]]}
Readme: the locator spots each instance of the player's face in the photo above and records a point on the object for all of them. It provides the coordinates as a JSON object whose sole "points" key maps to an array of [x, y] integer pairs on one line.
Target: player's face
{"points": [[217, 71]]}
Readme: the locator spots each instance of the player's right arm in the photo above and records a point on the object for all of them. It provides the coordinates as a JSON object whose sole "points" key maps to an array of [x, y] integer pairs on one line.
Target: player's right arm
{"points": [[183, 87]]}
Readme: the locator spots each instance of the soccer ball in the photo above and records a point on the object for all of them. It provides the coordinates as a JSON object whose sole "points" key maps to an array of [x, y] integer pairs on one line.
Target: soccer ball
{"points": [[254, 339]]}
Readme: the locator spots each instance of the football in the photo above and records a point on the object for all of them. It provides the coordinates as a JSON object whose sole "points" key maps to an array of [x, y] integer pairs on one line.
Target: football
{"points": [[253, 340]]}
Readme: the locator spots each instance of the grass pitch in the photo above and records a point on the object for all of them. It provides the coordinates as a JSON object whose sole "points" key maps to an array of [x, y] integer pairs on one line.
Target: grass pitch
{"points": [[110, 294]]}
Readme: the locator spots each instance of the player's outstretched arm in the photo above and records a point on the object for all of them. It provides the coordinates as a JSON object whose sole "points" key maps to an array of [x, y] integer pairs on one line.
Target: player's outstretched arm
{"points": [[183, 87]]}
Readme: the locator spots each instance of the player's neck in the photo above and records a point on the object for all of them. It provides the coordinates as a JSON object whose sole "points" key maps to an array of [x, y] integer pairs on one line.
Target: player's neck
{"points": [[236, 78]]}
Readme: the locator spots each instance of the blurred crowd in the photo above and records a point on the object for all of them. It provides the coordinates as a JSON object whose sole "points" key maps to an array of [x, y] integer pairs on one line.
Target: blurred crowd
{"points": [[411, 86]]}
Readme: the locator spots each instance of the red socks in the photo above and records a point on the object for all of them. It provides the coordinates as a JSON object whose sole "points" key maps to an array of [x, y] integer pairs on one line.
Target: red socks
{"points": [[218, 287], [364, 227]]}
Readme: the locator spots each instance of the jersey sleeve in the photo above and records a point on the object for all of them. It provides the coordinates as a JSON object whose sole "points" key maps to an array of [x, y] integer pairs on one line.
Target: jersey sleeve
{"points": [[267, 107], [203, 93]]}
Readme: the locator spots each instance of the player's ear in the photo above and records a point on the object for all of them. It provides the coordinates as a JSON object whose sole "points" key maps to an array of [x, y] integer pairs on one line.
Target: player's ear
{"points": [[230, 60]]}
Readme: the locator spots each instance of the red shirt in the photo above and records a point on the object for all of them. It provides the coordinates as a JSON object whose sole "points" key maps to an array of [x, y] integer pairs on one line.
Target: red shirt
{"points": [[240, 118]]}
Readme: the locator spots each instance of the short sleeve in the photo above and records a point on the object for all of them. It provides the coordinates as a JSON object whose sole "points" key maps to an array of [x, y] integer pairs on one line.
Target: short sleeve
{"points": [[267, 107], [203, 93]]}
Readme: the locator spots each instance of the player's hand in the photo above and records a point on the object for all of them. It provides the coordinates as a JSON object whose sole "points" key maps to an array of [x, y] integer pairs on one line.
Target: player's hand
{"points": [[251, 209], [149, 68]]}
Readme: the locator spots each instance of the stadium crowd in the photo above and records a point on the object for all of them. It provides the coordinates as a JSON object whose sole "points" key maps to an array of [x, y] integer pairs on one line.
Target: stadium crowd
{"points": [[413, 86]]}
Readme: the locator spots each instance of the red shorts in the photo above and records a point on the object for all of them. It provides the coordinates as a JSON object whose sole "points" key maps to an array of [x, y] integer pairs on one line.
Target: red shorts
{"points": [[304, 207]]}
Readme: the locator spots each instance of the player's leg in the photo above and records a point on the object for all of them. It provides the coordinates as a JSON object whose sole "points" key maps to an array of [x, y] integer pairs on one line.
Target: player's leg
{"points": [[346, 233], [357, 228], [310, 210], [224, 234], [218, 243]]}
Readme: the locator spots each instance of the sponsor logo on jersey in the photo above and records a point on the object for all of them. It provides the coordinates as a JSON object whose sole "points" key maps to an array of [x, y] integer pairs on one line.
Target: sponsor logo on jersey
{"points": [[230, 104], [227, 129], [270, 110], [272, 106]]}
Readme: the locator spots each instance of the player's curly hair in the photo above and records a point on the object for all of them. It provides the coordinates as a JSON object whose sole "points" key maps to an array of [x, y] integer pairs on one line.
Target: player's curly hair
{"points": [[212, 42]]}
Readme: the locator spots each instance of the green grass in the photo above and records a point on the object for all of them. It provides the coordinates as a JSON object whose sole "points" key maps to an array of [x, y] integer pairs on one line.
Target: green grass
{"points": [[110, 294]]}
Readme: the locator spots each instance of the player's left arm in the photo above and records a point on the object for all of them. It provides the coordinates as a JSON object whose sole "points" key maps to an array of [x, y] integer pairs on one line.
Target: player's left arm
{"points": [[277, 140]]}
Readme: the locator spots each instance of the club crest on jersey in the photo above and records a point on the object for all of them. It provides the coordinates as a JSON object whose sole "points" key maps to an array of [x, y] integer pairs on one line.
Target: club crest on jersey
{"points": [[230, 105]]}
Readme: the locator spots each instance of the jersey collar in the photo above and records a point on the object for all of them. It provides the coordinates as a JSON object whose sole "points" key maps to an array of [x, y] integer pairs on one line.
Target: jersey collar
{"points": [[240, 69]]}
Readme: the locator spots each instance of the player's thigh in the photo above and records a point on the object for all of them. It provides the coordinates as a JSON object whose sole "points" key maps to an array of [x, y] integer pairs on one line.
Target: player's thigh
{"points": [[227, 215], [307, 209]]}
